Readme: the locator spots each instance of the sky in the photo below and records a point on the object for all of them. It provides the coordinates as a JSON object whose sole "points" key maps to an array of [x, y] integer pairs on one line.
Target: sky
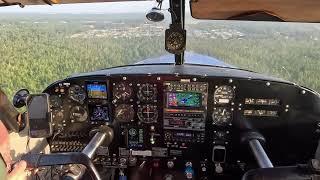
{"points": [[95, 8]]}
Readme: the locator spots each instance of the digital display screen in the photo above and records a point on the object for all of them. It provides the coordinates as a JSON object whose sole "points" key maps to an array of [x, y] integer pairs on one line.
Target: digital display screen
{"points": [[183, 135], [97, 91], [38, 116], [99, 113], [184, 99]]}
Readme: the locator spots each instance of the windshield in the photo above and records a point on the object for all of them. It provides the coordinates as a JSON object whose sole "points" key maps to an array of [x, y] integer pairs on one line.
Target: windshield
{"points": [[42, 44]]}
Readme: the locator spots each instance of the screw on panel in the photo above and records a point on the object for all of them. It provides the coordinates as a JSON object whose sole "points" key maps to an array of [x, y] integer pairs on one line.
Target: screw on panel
{"points": [[303, 91], [194, 79], [124, 78], [158, 78], [230, 80], [268, 84]]}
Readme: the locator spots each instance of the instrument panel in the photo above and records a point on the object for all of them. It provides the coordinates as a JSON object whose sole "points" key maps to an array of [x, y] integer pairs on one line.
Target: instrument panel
{"points": [[177, 119]]}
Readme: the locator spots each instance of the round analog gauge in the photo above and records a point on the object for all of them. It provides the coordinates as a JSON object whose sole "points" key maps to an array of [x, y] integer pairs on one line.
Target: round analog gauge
{"points": [[221, 116], [100, 114], [223, 95], [175, 41], [148, 113], [78, 114], [124, 113], [147, 92], [77, 93], [132, 132], [57, 116], [55, 101], [122, 91]]}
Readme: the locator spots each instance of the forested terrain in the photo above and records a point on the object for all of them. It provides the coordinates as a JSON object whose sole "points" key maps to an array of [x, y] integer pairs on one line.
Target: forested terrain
{"points": [[37, 50]]}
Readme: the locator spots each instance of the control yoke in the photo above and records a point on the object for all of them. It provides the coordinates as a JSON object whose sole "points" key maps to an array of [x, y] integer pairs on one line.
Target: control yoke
{"points": [[104, 135], [254, 139]]}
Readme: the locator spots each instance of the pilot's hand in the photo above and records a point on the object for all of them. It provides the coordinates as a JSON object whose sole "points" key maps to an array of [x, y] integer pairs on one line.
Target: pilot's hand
{"points": [[18, 172]]}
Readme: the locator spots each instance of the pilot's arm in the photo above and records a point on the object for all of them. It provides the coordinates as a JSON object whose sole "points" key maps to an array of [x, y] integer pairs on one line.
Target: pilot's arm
{"points": [[7, 171]]}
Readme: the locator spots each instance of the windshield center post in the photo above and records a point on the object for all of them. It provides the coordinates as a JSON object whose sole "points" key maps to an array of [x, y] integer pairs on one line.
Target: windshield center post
{"points": [[175, 40]]}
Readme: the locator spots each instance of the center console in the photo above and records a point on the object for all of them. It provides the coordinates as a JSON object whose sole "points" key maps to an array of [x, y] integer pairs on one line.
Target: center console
{"points": [[185, 109]]}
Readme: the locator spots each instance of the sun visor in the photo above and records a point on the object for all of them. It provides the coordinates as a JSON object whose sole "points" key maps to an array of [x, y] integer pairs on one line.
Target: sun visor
{"points": [[257, 10]]}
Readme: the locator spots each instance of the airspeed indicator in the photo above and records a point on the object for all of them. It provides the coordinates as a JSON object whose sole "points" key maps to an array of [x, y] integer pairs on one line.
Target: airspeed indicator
{"points": [[223, 95]]}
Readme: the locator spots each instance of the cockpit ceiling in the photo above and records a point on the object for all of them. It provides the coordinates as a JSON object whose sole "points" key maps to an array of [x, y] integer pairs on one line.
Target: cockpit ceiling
{"points": [[42, 2], [285, 10]]}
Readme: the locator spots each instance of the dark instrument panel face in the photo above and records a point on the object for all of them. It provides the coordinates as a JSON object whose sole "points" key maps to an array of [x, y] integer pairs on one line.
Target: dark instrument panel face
{"points": [[182, 118]]}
